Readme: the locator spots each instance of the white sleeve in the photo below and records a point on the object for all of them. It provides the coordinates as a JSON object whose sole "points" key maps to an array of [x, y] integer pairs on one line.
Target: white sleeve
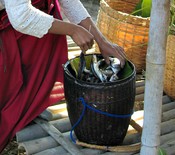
{"points": [[27, 19], [74, 10]]}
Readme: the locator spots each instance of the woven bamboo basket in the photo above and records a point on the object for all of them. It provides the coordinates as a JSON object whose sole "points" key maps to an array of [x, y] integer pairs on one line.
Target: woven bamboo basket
{"points": [[169, 76], [110, 97], [119, 26]]}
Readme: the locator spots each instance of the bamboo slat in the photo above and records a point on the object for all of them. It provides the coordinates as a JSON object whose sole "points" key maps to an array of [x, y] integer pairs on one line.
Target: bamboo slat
{"points": [[58, 136], [48, 115], [37, 145], [35, 131], [167, 137], [168, 126], [53, 151], [168, 115], [169, 106]]}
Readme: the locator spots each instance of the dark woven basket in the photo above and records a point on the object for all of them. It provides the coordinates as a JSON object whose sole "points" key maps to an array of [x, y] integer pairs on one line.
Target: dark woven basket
{"points": [[112, 97]]}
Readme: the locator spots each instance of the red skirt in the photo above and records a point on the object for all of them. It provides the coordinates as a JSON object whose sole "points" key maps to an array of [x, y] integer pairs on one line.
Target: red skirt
{"points": [[31, 74]]}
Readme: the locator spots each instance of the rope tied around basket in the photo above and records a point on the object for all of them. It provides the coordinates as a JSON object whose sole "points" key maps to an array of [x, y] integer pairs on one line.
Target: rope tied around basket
{"points": [[95, 110]]}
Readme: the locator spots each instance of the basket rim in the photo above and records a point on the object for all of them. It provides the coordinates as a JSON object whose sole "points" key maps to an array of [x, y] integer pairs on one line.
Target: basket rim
{"points": [[98, 84], [105, 6]]}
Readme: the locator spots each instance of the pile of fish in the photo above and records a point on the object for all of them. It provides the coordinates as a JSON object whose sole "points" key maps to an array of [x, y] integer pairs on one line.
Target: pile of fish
{"points": [[99, 71]]}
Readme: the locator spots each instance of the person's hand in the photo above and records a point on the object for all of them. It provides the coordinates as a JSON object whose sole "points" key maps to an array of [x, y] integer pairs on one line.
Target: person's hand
{"points": [[109, 49], [82, 38]]}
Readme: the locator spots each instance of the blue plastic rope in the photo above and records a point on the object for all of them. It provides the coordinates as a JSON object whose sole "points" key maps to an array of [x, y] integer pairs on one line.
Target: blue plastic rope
{"points": [[96, 110]]}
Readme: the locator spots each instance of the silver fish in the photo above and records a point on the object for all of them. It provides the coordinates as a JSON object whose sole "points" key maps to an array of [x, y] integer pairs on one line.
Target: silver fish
{"points": [[113, 78], [115, 65], [96, 70], [82, 65]]}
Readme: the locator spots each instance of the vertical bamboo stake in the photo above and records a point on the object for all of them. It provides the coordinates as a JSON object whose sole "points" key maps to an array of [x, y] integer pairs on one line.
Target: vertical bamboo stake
{"points": [[155, 62]]}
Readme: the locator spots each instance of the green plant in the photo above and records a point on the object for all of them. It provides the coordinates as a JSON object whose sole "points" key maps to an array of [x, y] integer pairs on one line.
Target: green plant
{"points": [[143, 8], [161, 151], [172, 18], [76, 62]]}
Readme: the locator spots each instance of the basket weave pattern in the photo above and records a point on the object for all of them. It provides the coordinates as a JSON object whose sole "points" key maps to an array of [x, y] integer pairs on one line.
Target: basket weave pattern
{"points": [[130, 32], [169, 76], [113, 98]]}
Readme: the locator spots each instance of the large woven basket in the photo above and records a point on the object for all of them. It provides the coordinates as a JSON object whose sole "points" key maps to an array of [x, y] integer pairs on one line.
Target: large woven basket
{"points": [[169, 76], [119, 26], [111, 97]]}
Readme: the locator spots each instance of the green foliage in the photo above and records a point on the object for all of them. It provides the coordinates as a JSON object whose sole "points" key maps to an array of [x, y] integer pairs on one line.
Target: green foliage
{"points": [[126, 71], [75, 63], [138, 9], [143, 8], [172, 18], [161, 151]]}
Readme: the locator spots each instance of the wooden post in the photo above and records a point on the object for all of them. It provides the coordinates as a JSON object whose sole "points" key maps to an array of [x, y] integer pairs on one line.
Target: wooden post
{"points": [[155, 62]]}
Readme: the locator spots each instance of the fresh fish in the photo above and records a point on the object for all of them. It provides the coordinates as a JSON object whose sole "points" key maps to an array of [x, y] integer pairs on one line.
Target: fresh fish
{"points": [[115, 65], [96, 70], [82, 65], [108, 72], [100, 71], [113, 78]]}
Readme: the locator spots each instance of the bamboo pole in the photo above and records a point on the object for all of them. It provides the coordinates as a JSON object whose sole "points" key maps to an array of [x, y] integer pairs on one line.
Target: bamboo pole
{"points": [[35, 131], [58, 136], [37, 145], [155, 62], [61, 151]]}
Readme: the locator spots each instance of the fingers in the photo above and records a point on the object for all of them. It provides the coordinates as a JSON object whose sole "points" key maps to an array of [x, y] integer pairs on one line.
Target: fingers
{"points": [[86, 42], [83, 38], [107, 60], [120, 54], [91, 43], [121, 51], [87, 45], [115, 51], [122, 61]]}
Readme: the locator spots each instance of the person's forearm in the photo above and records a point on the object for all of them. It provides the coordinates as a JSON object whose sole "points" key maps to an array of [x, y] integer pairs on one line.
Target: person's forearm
{"points": [[66, 28], [79, 34], [90, 26], [63, 28]]}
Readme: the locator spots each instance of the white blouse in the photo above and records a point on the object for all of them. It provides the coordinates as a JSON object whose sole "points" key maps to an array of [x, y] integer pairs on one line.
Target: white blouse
{"points": [[27, 19]]}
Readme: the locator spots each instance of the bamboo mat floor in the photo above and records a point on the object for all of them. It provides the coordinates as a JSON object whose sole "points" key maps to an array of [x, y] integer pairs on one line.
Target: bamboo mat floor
{"points": [[49, 133], [52, 128], [39, 139]]}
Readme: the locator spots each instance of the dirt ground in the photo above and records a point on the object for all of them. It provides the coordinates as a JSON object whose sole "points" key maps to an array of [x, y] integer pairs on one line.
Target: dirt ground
{"points": [[92, 7], [11, 149]]}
